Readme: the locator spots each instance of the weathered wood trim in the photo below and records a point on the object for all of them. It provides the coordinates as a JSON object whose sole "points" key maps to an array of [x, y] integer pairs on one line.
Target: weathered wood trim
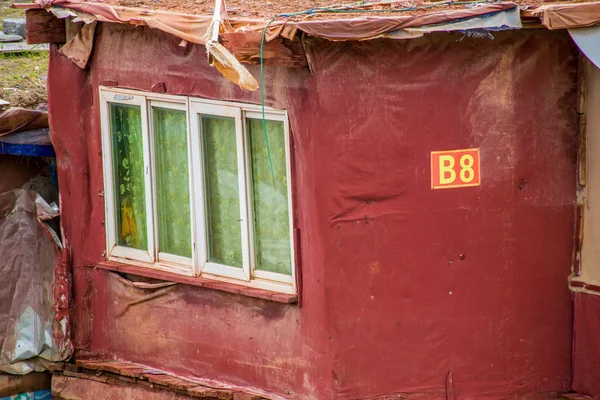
{"points": [[44, 27], [119, 373], [245, 46], [198, 281]]}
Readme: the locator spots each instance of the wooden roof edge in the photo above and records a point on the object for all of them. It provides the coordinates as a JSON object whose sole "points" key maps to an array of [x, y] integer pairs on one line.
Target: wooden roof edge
{"points": [[26, 6], [525, 13], [531, 17]]}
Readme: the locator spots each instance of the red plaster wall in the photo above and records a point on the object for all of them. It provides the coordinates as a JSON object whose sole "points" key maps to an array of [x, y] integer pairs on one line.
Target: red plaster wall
{"points": [[389, 304], [586, 345]]}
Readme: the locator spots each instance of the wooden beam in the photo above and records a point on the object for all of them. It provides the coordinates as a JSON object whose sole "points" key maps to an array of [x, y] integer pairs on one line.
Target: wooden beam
{"points": [[26, 6], [44, 27], [14, 384], [245, 46]]}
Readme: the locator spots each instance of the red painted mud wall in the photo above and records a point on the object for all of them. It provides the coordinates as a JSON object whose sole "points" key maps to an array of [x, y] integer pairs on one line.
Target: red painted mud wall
{"points": [[401, 284], [586, 344]]}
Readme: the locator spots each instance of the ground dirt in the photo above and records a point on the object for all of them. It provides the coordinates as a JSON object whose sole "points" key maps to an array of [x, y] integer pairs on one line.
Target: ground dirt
{"points": [[22, 75]]}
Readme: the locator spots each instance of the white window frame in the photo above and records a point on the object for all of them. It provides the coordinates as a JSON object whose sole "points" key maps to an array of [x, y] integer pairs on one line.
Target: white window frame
{"points": [[198, 265], [165, 258], [111, 224], [270, 116]]}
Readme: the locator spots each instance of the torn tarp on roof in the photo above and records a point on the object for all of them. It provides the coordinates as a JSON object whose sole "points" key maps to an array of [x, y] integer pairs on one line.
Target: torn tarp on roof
{"points": [[500, 21], [193, 28], [568, 16], [366, 28]]}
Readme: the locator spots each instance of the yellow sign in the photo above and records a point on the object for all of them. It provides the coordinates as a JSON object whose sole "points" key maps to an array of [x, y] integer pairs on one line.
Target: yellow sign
{"points": [[455, 168]]}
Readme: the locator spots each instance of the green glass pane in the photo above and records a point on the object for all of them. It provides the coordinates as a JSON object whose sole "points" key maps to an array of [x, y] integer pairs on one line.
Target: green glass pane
{"points": [[222, 190], [128, 169], [270, 199], [172, 182]]}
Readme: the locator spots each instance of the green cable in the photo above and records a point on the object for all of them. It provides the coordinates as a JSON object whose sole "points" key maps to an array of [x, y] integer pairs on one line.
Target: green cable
{"points": [[333, 10], [262, 95]]}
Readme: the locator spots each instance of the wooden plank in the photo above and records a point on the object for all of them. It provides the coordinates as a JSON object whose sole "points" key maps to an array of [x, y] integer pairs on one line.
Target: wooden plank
{"points": [[44, 27], [198, 281], [245, 46], [101, 365], [20, 47], [26, 6], [85, 376], [118, 370], [246, 396], [202, 391], [170, 381], [133, 371]]}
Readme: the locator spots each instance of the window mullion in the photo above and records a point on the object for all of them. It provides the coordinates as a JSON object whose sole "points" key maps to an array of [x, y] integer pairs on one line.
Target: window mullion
{"points": [[107, 157], [200, 250], [288, 170], [149, 175], [244, 214], [249, 202], [193, 186]]}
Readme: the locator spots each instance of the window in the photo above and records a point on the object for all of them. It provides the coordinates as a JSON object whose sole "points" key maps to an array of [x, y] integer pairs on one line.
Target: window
{"points": [[194, 187]]}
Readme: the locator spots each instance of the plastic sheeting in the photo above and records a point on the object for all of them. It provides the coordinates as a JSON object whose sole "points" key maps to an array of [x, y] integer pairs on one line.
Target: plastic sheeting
{"points": [[37, 395], [567, 16], [25, 132], [510, 19], [79, 48], [194, 28], [18, 119], [366, 28], [588, 41], [34, 320], [38, 137]]}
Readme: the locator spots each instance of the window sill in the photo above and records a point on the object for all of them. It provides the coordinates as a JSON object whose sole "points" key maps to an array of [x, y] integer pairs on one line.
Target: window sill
{"points": [[580, 284], [198, 281]]}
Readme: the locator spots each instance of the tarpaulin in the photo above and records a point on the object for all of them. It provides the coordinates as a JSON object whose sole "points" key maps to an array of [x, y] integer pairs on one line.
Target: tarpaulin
{"points": [[365, 28], [193, 28], [401, 284], [79, 48], [28, 143], [20, 119], [510, 19], [39, 137], [565, 16], [34, 323], [588, 41]]}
